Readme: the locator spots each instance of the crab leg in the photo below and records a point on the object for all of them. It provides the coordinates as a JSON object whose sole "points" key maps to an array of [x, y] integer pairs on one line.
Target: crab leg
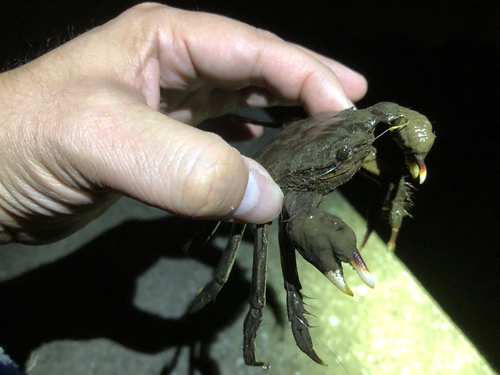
{"points": [[376, 205], [395, 201], [212, 289], [399, 205], [294, 299], [393, 197], [257, 296]]}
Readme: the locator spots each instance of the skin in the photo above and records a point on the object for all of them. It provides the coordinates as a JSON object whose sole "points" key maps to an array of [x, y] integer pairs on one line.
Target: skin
{"points": [[81, 126]]}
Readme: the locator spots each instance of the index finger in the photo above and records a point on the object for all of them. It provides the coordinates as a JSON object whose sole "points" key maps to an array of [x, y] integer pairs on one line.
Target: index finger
{"points": [[233, 55], [353, 83], [194, 49]]}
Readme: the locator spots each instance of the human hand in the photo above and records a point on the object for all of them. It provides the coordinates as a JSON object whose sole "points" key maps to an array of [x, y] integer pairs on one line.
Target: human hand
{"points": [[81, 126]]}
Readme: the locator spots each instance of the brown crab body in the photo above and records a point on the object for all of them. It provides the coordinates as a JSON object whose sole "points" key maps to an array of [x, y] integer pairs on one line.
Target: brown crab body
{"points": [[309, 159]]}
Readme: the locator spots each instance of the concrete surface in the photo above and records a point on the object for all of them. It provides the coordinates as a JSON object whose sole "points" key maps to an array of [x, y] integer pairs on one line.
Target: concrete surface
{"points": [[114, 305]]}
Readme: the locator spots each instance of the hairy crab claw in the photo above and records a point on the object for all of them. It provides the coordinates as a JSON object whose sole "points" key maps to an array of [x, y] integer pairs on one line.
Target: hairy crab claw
{"points": [[414, 159], [415, 138]]}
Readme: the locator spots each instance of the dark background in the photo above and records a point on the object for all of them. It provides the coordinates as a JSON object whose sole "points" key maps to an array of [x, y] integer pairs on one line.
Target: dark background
{"points": [[437, 57]]}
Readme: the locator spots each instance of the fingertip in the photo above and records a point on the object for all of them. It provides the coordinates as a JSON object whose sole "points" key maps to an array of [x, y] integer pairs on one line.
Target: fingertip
{"points": [[355, 86], [323, 91], [255, 130]]}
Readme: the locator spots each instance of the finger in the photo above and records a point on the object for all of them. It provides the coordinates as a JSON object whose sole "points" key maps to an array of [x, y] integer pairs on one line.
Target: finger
{"points": [[159, 161], [209, 103], [186, 50], [251, 57], [354, 84]]}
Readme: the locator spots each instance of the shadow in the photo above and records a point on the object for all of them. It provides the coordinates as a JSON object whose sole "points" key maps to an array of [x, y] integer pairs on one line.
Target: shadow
{"points": [[89, 294]]}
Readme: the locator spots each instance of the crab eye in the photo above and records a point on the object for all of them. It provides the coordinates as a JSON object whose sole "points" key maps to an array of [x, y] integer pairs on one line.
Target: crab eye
{"points": [[343, 153]]}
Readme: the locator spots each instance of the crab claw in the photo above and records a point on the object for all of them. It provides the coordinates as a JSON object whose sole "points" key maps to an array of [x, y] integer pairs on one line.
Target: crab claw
{"points": [[325, 241], [417, 167], [360, 267], [337, 279]]}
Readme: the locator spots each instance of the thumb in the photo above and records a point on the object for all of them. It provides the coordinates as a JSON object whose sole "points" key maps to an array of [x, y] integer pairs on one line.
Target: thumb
{"points": [[150, 157]]}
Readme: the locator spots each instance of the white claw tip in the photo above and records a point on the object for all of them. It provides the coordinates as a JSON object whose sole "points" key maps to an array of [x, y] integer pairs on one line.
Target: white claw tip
{"points": [[365, 276], [423, 175], [338, 280], [359, 265]]}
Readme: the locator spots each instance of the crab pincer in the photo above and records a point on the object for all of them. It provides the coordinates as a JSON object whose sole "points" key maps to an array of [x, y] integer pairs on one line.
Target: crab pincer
{"points": [[326, 250], [411, 131]]}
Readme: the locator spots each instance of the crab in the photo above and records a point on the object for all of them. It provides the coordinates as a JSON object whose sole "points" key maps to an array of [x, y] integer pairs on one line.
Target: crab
{"points": [[308, 160]]}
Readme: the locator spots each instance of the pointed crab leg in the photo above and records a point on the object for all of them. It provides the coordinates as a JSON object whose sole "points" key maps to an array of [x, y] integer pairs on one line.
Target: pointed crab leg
{"points": [[391, 245], [257, 296], [376, 204], [212, 289], [397, 201], [400, 203], [294, 299]]}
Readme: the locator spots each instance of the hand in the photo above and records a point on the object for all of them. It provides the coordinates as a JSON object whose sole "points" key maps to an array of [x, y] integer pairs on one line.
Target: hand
{"points": [[81, 125]]}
